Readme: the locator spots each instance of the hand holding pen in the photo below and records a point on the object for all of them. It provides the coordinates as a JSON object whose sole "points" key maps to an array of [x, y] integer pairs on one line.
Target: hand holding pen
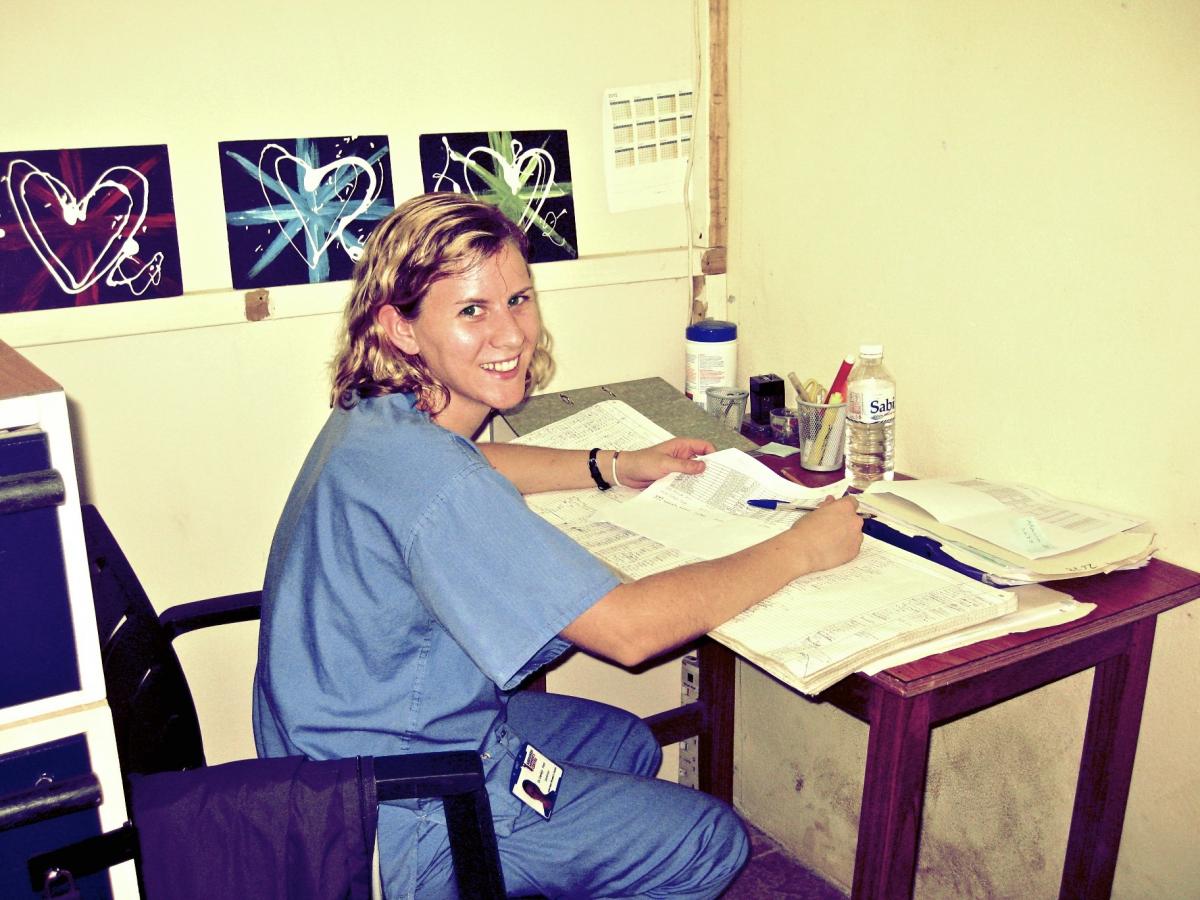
{"points": [[830, 534], [807, 505]]}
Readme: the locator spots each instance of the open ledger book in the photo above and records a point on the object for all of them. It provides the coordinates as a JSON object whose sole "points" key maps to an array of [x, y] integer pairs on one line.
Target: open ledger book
{"points": [[1011, 533], [813, 632]]}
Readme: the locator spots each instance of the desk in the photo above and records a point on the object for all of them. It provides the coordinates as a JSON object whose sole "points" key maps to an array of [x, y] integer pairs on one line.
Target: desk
{"points": [[902, 706]]}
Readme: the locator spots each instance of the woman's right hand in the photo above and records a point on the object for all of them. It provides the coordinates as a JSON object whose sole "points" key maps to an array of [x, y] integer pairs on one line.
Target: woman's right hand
{"points": [[641, 619], [832, 533]]}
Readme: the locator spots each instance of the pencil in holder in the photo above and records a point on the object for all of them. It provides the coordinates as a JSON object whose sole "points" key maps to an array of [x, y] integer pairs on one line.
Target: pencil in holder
{"points": [[822, 435]]}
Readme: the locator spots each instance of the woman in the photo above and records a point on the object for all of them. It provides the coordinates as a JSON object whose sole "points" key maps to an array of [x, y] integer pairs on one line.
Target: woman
{"points": [[409, 588]]}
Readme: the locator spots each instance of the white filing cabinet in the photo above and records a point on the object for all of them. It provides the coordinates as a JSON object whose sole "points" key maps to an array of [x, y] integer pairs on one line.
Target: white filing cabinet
{"points": [[54, 723]]}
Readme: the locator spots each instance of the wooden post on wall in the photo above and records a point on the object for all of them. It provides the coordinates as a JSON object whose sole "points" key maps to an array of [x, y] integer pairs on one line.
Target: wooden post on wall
{"points": [[713, 260], [718, 137]]}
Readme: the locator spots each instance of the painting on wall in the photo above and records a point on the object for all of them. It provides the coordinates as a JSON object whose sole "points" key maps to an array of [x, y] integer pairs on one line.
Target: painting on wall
{"points": [[527, 174], [299, 210], [81, 227]]}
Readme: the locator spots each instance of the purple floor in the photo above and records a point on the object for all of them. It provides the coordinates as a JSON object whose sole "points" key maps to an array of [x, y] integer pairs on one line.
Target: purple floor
{"points": [[772, 872]]}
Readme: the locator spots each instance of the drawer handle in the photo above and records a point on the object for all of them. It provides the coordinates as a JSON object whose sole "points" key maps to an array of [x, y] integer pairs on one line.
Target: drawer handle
{"points": [[31, 490], [70, 795]]}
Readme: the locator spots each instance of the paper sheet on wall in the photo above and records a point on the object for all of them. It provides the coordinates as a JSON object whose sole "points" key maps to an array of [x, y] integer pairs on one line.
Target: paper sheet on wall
{"points": [[647, 143]]}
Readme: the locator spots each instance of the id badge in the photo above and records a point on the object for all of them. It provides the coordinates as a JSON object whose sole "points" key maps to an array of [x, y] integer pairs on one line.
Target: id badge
{"points": [[535, 780]]}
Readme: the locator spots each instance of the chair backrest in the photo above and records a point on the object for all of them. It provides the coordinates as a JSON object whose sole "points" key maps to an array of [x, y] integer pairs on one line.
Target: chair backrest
{"points": [[158, 731], [154, 717]]}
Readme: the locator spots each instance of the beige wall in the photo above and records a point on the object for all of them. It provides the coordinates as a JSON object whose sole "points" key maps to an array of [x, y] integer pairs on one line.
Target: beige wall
{"points": [[1008, 196]]}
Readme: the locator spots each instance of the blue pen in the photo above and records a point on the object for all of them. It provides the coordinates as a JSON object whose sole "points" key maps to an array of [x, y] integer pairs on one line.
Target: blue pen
{"points": [[797, 504], [784, 504]]}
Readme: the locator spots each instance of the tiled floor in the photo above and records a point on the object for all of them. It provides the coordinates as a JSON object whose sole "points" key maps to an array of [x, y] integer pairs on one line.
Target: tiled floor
{"points": [[773, 873]]}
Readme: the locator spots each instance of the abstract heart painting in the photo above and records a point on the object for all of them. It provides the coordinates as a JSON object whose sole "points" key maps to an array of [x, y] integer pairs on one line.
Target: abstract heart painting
{"points": [[527, 174], [299, 210], [80, 227]]}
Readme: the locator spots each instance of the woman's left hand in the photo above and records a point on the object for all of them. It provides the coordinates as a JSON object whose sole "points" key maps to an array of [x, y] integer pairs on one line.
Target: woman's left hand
{"points": [[640, 468]]}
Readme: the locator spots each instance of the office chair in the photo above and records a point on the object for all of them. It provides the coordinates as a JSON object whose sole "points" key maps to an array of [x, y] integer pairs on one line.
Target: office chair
{"points": [[161, 750]]}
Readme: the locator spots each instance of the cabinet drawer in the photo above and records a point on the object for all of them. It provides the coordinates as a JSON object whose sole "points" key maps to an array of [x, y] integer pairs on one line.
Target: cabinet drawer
{"points": [[22, 770], [49, 654], [61, 747], [37, 642]]}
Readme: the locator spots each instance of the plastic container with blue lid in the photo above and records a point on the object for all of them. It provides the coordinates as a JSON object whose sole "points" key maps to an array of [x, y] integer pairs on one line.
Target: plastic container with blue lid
{"points": [[711, 357]]}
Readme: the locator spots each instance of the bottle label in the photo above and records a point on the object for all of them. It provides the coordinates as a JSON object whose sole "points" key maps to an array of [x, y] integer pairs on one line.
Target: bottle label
{"points": [[871, 403], [709, 365]]}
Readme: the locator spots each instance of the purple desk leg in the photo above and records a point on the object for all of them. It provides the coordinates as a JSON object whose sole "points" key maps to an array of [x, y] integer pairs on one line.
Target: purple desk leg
{"points": [[1109, 745], [889, 823], [717, 666]]}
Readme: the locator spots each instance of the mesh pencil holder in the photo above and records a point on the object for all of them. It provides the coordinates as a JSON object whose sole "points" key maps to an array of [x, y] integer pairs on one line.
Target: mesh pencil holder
{"points": [[822, 435]]}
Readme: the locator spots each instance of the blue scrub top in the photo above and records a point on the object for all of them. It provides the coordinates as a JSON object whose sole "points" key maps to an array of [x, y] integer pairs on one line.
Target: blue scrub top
{"points": [[408, 587]]}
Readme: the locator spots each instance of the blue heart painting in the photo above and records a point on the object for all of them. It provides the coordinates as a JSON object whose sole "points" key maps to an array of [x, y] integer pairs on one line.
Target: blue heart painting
{"points": [[299, 210]]}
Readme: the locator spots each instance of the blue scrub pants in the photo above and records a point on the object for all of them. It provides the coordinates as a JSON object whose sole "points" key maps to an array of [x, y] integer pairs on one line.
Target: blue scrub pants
{"points": [[616, 830]]}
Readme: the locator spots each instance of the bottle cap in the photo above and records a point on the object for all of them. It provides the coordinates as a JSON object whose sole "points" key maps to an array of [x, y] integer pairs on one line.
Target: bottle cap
{"points": [[712, 331], [870, 350]]}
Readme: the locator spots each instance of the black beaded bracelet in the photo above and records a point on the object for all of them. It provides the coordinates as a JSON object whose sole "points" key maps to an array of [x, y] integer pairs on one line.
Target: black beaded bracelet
{"points": [[595, 470]]}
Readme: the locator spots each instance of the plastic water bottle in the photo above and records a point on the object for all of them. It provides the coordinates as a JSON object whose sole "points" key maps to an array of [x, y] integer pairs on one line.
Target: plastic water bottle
{"points": [[870, 418]]}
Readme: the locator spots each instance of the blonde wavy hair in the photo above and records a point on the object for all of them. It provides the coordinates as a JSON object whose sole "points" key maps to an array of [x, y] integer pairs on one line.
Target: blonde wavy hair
{"points": [[425, 239]]}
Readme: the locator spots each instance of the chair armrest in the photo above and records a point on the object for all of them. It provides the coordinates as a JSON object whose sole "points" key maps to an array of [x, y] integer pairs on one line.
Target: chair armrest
{"points": [[457, 777], [193, 616], [412, 775]]}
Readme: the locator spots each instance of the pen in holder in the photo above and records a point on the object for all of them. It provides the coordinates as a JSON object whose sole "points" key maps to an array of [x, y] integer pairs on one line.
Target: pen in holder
{"points": [[822, 429], [727, 405]]}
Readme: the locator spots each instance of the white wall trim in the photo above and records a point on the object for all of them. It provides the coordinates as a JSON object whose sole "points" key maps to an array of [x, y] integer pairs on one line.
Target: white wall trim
{"points": [[206, 309]]}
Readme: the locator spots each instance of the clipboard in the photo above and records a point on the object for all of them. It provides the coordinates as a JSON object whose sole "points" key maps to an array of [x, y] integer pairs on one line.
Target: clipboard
{"points": [[920, 545]]}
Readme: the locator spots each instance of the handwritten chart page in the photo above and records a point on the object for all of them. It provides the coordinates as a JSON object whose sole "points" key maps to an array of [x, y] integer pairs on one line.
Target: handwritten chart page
{"points": [[707, 514], [581, 513], [1038, 606], [613, 424], [821, 627]]}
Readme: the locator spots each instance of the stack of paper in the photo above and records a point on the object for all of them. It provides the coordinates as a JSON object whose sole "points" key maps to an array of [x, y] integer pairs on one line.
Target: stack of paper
{"points": [[1012, 534], [817, 629]]}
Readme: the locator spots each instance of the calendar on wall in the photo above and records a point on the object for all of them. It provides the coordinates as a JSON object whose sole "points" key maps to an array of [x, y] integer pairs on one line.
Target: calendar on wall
{"points": [[648, 133]]}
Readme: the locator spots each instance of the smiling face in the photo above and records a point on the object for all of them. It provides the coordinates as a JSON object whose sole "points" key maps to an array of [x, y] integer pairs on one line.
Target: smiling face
{"points": [[476, 332]]}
